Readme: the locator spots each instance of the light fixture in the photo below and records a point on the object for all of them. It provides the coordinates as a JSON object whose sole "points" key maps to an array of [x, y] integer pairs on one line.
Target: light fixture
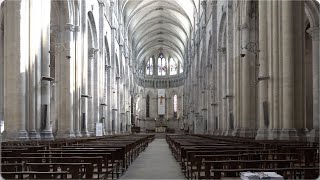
{"points": [[85, 96], [262, 78], [46, 78], [252, 47]]}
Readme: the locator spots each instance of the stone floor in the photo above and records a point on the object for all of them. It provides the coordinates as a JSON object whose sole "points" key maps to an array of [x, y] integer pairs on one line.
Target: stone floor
{"points": [[156, 162]]}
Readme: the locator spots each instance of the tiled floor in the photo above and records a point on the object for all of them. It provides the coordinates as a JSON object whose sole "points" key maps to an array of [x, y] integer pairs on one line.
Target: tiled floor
{"points": [[156, 162]]}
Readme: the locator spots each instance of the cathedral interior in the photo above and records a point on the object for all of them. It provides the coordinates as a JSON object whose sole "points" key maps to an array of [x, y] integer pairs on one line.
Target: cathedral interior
{"points": [[127, 79]]}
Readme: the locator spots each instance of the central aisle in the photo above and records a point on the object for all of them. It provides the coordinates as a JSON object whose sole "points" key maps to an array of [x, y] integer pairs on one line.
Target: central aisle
{"points": [[156, 162]]}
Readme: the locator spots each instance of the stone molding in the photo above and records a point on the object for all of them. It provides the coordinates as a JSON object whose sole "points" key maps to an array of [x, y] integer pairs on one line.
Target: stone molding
{"points": [[315, 33], [69, 27], [243, 26], [92, 52], [77, 28]]}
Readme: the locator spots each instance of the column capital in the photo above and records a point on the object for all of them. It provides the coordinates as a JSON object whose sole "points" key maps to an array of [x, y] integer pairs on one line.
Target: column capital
{"points": [[92, 52], [222, 50], [204, 3], [77, 28], [101, 3], [314, 32], [243, 26], [69, 27]]}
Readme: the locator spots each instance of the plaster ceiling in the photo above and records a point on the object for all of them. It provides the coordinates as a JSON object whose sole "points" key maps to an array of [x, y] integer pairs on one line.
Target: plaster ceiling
{"points": [[158, 24]]}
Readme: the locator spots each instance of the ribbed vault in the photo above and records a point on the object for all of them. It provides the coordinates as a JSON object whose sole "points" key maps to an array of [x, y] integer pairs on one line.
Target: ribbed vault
{"points": [[158, 24]]}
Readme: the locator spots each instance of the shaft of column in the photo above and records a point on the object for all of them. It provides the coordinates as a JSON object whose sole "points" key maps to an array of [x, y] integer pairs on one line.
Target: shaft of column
{"points": [[292, 17], [34, 68], [1, 73], [77, 73], [85, 60], [16, 30], [96, 85], [66, 84], [46, 85], [91, 125], [263, 70], [315, 33], [274, 65], [236, 76], [246, 125]]}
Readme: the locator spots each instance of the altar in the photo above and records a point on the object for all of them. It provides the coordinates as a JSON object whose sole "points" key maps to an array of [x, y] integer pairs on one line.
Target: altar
{"points": [[161, 129]]}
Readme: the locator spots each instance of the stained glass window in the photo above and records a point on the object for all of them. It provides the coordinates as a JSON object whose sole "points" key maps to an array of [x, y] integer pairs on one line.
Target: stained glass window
{"points": [[162, 67], [173, 67], [175, 105], [149, 68]]}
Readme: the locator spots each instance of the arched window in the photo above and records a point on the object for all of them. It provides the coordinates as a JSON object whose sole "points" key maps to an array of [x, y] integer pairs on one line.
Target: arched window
{"points": [[162, 68], [149, 68], [148, 106], [175, 105], [173, 67]]}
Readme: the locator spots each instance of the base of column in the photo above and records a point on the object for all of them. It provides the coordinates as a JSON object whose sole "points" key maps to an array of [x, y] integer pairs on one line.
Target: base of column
{"points": [[85, 134], [245, 132], [313, 136], [23, 135], [217, 132], [92, 133], [33, 134], [294, 134], [274, 134], [263, 134], [66, 134], [77, 134], [47, 134], [228, 132]]}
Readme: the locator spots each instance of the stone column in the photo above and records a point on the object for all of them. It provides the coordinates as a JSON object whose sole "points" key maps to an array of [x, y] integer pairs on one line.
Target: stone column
{"points": [[122, 123], [292, 34], [114, 118], [16, 42], [102, 64], [236, 74], [96, 86], [77, 95], [46, 133], [230, 59], [109, 94], [275, 65], [34, 69], [85, 60], [263, 70], [66, 66], [91, 111], [247, 112], [1, 69], [315, 32]]}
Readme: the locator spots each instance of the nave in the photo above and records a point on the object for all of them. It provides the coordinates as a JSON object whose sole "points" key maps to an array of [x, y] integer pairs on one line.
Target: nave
{"points": [[156, 162], [142, 156]]}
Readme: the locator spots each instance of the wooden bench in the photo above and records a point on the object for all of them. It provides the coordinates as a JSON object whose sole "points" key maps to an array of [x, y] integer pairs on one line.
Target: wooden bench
{"points": [[34, 175]]}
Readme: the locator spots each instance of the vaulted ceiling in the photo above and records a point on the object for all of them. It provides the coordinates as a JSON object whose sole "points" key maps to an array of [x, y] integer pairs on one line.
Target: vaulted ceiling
{"points": [[158, 24]]}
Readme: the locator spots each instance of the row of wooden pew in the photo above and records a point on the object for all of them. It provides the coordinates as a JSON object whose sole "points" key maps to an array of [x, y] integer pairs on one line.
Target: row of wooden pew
{"points": [[83, 158], [215, 157]]}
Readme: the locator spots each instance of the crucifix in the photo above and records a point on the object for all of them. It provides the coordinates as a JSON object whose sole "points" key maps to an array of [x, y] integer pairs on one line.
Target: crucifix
{"points": [[161, 97]]}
